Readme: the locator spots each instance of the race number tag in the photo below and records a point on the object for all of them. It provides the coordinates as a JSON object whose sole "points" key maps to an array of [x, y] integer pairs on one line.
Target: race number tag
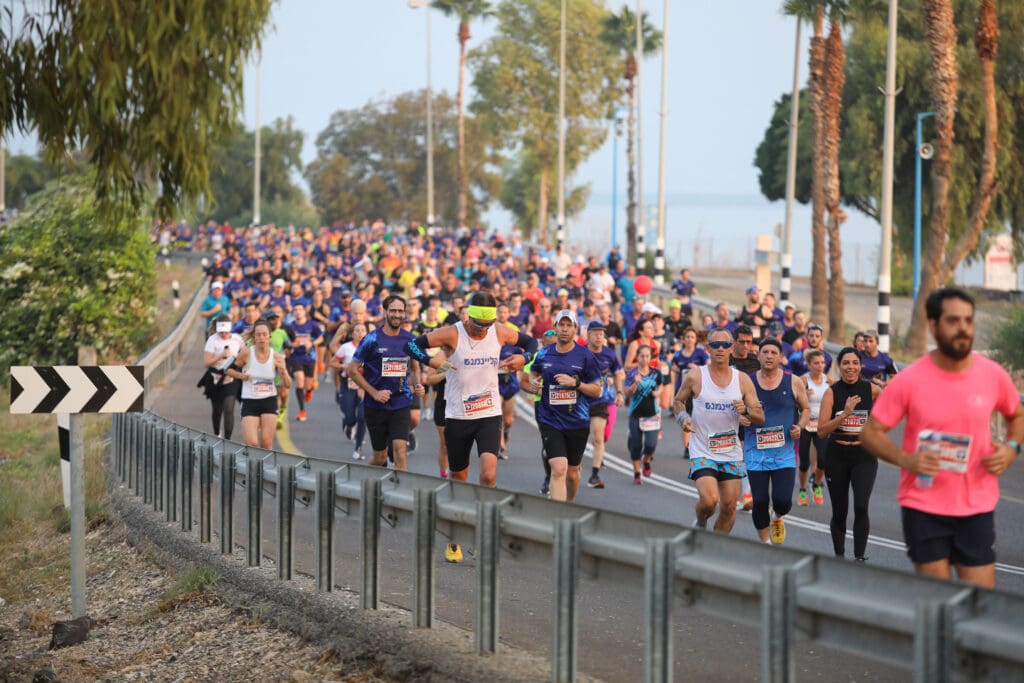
{"points": [[561, 396], [770, 437], [854, 423], [721, 443], [263, 388], [352, 384], [394, 366], [953, 450], [477, 404], [812, 425], [650, 424]]}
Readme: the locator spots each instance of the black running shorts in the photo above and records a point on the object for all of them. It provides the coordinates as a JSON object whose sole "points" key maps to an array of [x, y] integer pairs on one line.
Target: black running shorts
{"points": [[386, 426], [461, 434], [568, 444], [969, 541]]}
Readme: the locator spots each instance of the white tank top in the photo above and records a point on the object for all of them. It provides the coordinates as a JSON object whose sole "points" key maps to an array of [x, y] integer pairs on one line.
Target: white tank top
{"points": [[815, 392], [715, 420], [261, 377], [471, 390]]}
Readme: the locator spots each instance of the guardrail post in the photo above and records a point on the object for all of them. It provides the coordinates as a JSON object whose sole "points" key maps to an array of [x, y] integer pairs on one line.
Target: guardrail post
{"points": [[159, 471], [285, 520], [151, 464], [369, 575], [147, 464], [425, 522], [488, 533], [324, 550], [778, 611], [227, 502], [205, 493], [659, 578], [137, 448], [173, 463], [115, 429], [933, 644], [254, 486], [565, 628], [188, 469]]}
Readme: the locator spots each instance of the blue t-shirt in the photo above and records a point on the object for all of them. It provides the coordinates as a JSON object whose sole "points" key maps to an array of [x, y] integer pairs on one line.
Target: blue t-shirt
{"points": [[683, 289], [386, 366], [508, 382], [308, 330], [682, 362], [879, 366], [643, 402], [608, 364], [563, 407], [798, 366], [769, 446]]}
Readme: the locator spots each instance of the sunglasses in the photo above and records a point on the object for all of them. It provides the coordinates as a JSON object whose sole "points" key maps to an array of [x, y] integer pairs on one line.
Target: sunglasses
{"points": [[482, 323], [720, 344]]}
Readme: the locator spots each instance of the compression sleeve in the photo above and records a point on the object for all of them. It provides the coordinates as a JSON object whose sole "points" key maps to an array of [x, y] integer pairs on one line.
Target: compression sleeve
{"points": [[417, 348], [528, 344]]}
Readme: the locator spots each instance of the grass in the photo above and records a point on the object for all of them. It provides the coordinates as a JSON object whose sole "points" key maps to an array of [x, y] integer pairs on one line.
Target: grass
{"points": [[195, 585]]}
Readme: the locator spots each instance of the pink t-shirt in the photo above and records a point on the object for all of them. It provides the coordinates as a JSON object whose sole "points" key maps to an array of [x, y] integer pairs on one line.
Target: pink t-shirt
{"points": [[949, 412]]}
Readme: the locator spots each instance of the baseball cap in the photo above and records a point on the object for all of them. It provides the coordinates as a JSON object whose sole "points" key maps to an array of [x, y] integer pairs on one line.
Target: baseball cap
{"points": [[752, 289], [566, 313], [279, 282], [675, 303], [595, 325], [775, 328], [648, 307], [563, 292], [217, 285], [270, 315]]}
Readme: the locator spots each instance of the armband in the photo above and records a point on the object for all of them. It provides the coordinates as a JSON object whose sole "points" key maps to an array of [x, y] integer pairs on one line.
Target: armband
{"points": [[681, 417], [417, 348], [528, 344]]}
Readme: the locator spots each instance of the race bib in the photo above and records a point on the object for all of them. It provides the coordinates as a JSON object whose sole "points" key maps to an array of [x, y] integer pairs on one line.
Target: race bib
{"points": [[352, 384], [812, 425], [953, 450], [854, 423], [478, 404], [721, 443], [650, 424], [263, 388], [561, 396], [770, 437], [394, 366]]}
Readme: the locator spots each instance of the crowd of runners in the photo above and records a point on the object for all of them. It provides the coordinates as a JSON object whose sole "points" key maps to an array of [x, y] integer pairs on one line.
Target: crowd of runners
{"points": [[403, 325]]}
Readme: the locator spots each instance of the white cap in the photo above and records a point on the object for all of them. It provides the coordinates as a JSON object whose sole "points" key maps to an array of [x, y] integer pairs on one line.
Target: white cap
{"points": [[650, 308], [566, 313], [279, 282], [217, 284]]}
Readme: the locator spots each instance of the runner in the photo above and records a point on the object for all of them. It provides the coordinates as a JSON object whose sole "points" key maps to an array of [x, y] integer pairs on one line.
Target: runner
{"points": [[302, 362], [281, 341], [643, 384], [685, 359], [603, 408], [382, 370], [508, 383], [876, 367], [566, 370], [720, 395], [219, 352], [816, 382], [535, 390], [768, 449], [755, 314], [685, 289], [258, 366], [949, 486], [815, 339], [847, 404], [350, 396], [747, 363]]}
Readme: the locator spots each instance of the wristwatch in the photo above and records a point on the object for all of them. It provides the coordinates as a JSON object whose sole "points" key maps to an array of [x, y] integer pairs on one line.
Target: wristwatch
{"points": [[1014, 445], [577, 383]]}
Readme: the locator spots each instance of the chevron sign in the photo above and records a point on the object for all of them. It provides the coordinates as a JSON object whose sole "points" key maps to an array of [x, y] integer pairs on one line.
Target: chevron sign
{"points": [[77, 389]]}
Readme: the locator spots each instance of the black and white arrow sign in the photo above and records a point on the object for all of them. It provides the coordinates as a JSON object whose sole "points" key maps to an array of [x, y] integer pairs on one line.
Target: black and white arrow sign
{"points": [[77, 389]]}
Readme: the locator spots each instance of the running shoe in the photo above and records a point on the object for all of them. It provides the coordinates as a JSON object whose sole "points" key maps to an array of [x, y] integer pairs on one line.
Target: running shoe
{"points": [[502, 455], [453, 553], [444, 474], [316, 384], [595, 482], [647, 469], [686, 453], [302, 416], [636, 479], [309, 395], [862, 560], [545, 488], [778, 531], [412, 442], [280, 419], [356, 455], [697, 524], [349, 431], [819, 499], [320, 368], [747, 501], [801, 498]]}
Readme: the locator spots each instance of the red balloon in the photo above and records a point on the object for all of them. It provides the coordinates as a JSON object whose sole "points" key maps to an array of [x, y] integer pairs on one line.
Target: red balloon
{"points": [[642, 284]]}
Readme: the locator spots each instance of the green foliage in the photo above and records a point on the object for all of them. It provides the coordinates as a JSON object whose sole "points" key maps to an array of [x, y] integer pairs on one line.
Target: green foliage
{"points": [[70, 276], [1006, 344], [516, 80], [464, 10], [618, 31], [25, 175], [372, 162], [233, 163], [144, 88]]}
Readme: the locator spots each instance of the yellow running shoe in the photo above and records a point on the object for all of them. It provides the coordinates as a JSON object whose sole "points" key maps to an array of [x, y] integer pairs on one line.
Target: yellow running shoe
{"points": [[453, 553], [778, 531]]}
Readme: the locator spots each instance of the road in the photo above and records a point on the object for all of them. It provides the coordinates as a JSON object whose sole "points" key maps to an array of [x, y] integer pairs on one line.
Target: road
{"points": [[611, 632]]}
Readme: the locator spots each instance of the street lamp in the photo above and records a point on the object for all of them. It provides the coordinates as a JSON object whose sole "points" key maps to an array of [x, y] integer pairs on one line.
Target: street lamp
{"points": [[659, 255], [257, 147], [920, 152], [616, 134], [888, 143], [560, 235], [416, 4]]}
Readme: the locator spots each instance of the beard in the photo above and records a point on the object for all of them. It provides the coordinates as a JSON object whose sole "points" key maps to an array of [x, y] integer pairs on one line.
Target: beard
{"points": [[953, 346]]}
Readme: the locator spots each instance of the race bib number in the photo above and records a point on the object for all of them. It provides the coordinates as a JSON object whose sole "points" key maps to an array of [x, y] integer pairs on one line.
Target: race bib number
{"points": [[650, 424], [854, 423], [263, 388], [394, 367], [477, 404], [953, 450], [352, 384], [721, 443], [770, 437], [561, 396], [812, 425]]}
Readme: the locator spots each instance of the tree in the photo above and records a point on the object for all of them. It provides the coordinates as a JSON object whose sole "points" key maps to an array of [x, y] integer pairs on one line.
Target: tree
{"points": [[144, 89], [618, 31], [832, 105], [232, 171], [516, 80], [25, 175], [371, 162], [466, 11]]}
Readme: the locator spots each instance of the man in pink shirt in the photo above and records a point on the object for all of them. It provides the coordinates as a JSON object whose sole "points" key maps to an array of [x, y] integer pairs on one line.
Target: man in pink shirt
{"points": [[949, 486]]}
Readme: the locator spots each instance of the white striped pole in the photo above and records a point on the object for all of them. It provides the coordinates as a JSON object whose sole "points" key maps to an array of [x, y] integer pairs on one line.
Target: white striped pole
{"points": [[885, 257]]}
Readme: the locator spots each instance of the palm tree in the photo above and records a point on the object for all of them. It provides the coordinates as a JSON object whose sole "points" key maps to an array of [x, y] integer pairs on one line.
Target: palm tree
{"points": [[618, 31], [835, 77], [466, 11], [938, 265]]}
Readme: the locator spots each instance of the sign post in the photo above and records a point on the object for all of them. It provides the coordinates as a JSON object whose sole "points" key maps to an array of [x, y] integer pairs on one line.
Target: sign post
{"points": [[72, 390]]}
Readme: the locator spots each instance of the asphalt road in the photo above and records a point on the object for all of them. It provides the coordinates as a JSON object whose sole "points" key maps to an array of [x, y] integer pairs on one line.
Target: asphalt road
{"points": [[611, 632]]}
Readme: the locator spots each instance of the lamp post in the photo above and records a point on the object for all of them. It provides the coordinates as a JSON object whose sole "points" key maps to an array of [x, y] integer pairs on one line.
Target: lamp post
{"points": [[616, 133], [258, 151], [659, 254], [919, 152], [560, 235], [415, 4], [888, 144]]}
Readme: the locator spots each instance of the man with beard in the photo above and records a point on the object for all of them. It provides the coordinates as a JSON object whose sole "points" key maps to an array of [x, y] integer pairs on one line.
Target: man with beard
{"points": [[949, 486]]}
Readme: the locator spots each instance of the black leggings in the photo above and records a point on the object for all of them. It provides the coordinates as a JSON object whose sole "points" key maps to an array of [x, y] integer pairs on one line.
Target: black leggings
{"points": [[224, 407], [781, 496], [820, 444], [846, 466]]}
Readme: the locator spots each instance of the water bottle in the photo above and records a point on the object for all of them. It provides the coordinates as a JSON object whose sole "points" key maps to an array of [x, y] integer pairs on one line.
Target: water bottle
{"points": [[923, 481]]}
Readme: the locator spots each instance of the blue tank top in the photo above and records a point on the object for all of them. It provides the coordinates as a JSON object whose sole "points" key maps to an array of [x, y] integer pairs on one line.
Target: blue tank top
{"points": [[769, 446]]}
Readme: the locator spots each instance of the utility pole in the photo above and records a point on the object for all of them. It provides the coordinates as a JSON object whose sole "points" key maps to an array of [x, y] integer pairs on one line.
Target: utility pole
{"points": [[659, 255], [258, 151], [560, 235], [885, 257], [787, 230], [641, 226]]}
